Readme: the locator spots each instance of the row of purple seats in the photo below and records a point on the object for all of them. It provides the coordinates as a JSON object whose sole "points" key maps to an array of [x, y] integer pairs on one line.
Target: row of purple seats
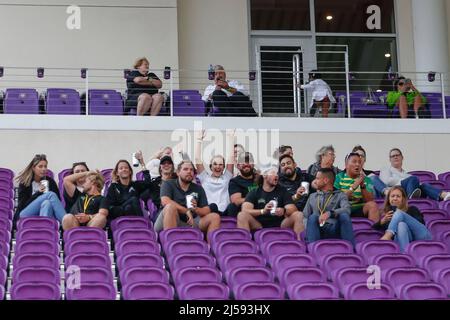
{"points": [[62, 101]]}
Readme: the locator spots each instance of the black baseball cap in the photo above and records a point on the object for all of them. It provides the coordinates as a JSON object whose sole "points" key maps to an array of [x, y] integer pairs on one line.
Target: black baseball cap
{"points": [[166, 158]]}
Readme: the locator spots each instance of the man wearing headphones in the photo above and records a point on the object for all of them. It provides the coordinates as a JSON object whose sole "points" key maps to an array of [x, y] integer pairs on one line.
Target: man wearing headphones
{"points": [[321, 95]]}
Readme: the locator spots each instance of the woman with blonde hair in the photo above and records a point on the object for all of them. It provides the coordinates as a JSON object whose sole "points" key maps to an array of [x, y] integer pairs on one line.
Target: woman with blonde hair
{"points": [[401, 222], [38, 193], [143, 89]]}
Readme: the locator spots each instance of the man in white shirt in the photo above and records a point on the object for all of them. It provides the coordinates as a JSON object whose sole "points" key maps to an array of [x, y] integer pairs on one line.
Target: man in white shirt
{"points": [[321, 94], [229, 97]]}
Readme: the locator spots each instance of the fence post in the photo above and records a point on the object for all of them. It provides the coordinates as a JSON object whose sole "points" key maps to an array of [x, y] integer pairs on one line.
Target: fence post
{"points": [[444, 111], [347, 83], [258, 67], [86, 83]]}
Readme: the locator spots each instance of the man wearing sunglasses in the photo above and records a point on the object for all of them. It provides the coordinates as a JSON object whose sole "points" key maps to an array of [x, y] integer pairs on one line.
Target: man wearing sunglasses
{"points": [[405, 96]]}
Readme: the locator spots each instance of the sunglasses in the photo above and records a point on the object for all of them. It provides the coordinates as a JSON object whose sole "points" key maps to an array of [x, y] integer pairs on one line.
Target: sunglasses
{"points": [[40, 157], [351, 154]]}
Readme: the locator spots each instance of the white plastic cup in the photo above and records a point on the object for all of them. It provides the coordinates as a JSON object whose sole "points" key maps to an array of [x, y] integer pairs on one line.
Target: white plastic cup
{"points": [[274, 206], [189, 199], [45, 184], [135, 160], [306, 186]]}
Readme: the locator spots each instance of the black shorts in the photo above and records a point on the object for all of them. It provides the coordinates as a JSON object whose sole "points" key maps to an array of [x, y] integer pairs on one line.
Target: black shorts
{"points": [[272, 222]]}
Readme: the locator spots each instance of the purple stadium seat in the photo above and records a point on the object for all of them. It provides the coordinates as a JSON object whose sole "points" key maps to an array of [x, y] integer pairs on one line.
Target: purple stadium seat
{"points": [[347, 276], [37, 223], [92, 291], [399, 277], [35, 291], [97, 93], [296, 275], [95, 274], [6, 203], [273, 249], [21, 101], [6, 191], [4, 248], [106, 104], [289, 260], [445, 238], [6, 213], [238, 260], [8, 173], [423, 291], [134, 234], [37, 234], [36, 260], [106, 173], [140, 260], [63, 103], [437, 184], [36, 274], [322, 248], [86, 246], [443, 277], [423, 175], [186, 246], [367, 235], [233, 246], [259, 291], [88, 260], [3, 278], [372, 248], [379, 202], [137, 246], [445, 177], [130, 222], [228, 222], [143, 274], [313, 291], [434, 214], [390, 261], [37, 246], [360, 291], [239, 276], [274, 234], [192, 108], [437, 227], [3, 262], [333, 263], [191, 260], [419, 250], [196, 274], [423, 204], [204, 291], [220, 235], [361, 224], [445, 205], [436, 263], [84, 233], [148, 291], [5, 236], [170, 235]]}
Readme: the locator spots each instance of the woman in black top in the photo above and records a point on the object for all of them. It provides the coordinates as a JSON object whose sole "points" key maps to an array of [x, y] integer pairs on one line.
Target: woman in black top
{"points": [[38, 194], [124, 194], [73, 185], [143, 90], [400, 222]]}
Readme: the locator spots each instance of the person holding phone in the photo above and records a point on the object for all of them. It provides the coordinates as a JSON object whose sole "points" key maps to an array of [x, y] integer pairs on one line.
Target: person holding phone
{"points": [[38, 193], [406, 96], [143, 89], [401, 222]]}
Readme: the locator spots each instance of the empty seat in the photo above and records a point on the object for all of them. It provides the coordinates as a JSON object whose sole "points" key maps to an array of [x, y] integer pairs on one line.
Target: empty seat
{"points": [[191, 260], [4, 248], [36, 274], [443, 277], [313, 291], [148, 291], [37, 260], [273, 249], [88, 260], [233, 246], [419, 250], [238, 260], [220, 235], [361, 224], [423, 175], [6, 203], [5, 236], [139, 260], [372, 248], [274, 234], [186, 246], [434, 214], [134, 234], [94, 274], [37, 234], [334, 262], [445, 177], [174, 234], [322, 248], [423, 204], [106, 104], [84, 233], [35, 291], [37, 246], [445, 205], [63, 103], [92, 291], [129, 222], [86, 246], [21, 101], [436, 263], [290, 260], [347, 276], [400, 277], [390, 261], [37, 223], [196, 274], [228, 222], [3, 262], [259, 291], [437, 227], [367, 235], [204, 291], [360, 291], [445, 238], [297, 275], [137, 246], [423, 291], [243, 275], [189, 108], [143, 275]]}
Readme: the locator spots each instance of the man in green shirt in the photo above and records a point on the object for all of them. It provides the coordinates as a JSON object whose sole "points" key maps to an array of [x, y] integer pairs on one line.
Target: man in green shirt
{"points": [[358, 188], [406, 95]]}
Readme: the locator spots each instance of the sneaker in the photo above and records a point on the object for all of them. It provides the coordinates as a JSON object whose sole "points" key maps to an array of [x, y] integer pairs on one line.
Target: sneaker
{"points": [[416, 194], [447, 197]]}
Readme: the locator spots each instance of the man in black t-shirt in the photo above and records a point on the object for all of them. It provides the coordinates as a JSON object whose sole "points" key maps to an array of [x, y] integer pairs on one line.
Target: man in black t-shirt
{"points": [[91, 208], [240, 186], [177, 211], [143, 90], [270, 206]]}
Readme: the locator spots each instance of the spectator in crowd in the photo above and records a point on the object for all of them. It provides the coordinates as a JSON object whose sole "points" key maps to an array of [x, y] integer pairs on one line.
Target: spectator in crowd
{"points": [[328, 211], [91, 208], [296, 183], [229, 97], [178, 211], [241, 185], [270, 205], [363, 155], [153, 164], [324, 159], [321, 94], [358, 188], [143, 89], [215, 182], [406, 96], [238, 149], [401, 222], [395, 175], [124, 194], [38, 193], [74, 188]]}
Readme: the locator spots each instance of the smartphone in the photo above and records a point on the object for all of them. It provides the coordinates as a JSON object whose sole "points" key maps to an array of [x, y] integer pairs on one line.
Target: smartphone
{"points": [[393, 208]]}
